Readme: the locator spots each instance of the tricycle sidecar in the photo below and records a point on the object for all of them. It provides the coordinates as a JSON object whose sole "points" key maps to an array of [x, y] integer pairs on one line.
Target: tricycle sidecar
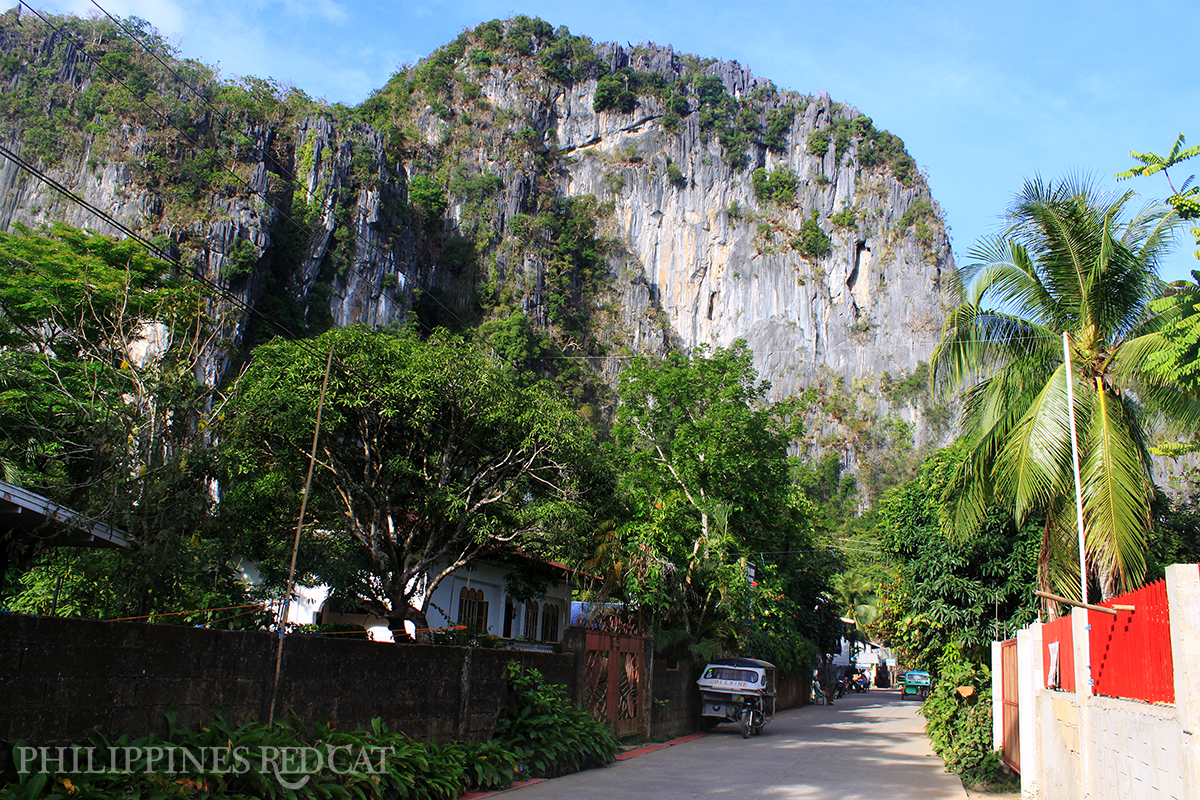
{"points": [[740, 690]]}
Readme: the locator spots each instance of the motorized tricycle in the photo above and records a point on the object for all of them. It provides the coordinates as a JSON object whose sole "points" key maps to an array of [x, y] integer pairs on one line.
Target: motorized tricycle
{"points": [[915, 683], [740, 690]]}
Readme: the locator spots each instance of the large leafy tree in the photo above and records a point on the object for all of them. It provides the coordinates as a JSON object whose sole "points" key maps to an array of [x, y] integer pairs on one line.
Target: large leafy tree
{"points": [[100, 409], [717, 552], [430, 454], [947, 589], [1072, 261]]}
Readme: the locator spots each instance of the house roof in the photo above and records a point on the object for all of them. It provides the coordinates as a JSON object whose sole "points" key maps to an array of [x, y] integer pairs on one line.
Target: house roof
{"points": [[29, 515]]}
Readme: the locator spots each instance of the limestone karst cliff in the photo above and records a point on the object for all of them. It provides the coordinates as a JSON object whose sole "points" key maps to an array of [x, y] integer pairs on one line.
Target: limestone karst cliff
{"points": [[622, 200]]}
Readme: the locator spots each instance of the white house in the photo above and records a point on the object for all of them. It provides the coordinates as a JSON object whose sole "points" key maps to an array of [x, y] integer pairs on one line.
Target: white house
{"points": [[474, 596]]}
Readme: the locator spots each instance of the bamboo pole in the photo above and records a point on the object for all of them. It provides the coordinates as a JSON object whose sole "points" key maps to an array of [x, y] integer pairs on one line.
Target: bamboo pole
{"points": [[291, 585], [1088, 606]]}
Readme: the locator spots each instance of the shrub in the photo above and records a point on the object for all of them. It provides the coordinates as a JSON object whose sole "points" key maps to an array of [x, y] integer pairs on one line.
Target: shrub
{"points": [[844, 218], [778, 186], [960, 728], [818, 142], [548, 733], [813, 242], [675, 175]]}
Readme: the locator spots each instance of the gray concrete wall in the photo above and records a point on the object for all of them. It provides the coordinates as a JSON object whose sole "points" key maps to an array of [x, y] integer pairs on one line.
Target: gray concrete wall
{"points": [[63, 679]]}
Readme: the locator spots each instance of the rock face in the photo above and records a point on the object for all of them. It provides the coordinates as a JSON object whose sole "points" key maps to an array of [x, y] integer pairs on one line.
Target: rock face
{"points": [[692, 254]]}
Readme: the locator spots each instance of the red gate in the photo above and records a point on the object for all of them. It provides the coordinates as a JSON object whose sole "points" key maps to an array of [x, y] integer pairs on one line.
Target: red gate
{"points": [[614, 680], [1011, 740]]}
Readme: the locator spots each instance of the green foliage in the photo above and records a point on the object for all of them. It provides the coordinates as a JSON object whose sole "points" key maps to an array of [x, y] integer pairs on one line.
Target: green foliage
{"points": [[1178, 361], [876, 148], [675, 175], [779, 122], [960, 728], [705, 468], [510, 459], [812, 243], [949, 588], [818, 142], [845, 218], [97, 426], [1067, 245], [921, 217], [540, 734], [548, 734], [564, 234], [427, 196], [617, 91], [777, 186], [240, 261]]}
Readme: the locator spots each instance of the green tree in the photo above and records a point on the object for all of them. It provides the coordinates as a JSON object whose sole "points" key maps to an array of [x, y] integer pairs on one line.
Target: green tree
{"points": [[430, 455], [100, 409], [855, 598], [1179, 361], [1070, 262], [704, 463]]}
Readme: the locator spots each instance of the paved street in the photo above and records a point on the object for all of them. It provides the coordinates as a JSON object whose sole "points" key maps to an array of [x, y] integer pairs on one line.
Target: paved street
{"points": [[867, 746]]}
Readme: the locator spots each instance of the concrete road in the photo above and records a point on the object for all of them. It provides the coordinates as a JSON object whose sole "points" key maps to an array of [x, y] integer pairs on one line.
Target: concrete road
{"points": [[868, 746]]}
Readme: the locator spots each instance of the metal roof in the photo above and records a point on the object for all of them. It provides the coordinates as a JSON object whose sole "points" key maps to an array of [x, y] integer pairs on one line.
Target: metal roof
{"points": [[29, 514], [741, 662]]}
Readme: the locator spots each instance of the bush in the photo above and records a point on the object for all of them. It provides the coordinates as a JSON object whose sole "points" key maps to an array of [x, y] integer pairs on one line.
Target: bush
{"points": [[548, 733], [675, 175], [960, 728], [818, 142], [778, 186], [540, 735], [844, 218], [813, 242]]}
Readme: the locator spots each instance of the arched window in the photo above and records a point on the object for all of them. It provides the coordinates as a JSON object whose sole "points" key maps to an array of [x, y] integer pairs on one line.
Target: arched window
{"points": [[472, 610], [550, 622], [531, 620]]}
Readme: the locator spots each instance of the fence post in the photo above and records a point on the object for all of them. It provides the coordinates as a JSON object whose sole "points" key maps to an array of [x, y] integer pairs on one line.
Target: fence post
{"points": [[1029, 680], [1082, 640], [1183, 599], [997, 697]]}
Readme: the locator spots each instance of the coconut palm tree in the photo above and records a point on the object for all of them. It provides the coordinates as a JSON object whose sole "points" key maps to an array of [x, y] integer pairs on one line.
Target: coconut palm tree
{"points": [[1070, 261]]}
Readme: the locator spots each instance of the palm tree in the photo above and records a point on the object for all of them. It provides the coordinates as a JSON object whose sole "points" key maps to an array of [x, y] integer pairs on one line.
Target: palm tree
{"points": [[1068, 262], [855, 596]]}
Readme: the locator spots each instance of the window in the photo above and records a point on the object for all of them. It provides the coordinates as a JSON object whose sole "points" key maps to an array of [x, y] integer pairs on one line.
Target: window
{"points": [[510, 613], [531, 615], [550, 623], [472, 610]]}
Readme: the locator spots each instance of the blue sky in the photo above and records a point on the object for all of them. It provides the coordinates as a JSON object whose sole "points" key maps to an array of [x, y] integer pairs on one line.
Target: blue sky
{"points": [[984, 95]]}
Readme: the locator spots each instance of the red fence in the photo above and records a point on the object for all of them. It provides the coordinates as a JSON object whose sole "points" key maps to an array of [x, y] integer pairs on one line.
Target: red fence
{"points": [[1131, 652], [1059, 631]]}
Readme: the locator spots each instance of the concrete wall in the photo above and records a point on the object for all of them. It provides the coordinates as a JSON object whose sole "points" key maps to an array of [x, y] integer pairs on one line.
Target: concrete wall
{"points": [[63, 679], [676, 707], [1077, 745]]}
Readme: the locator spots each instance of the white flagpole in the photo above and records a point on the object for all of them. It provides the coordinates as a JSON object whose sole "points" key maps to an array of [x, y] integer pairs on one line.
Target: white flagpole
{"points": [[1075, 465]]}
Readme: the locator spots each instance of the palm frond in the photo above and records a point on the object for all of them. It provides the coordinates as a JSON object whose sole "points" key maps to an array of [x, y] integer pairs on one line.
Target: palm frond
{"points": [[1031, 466], [1117, 491]]}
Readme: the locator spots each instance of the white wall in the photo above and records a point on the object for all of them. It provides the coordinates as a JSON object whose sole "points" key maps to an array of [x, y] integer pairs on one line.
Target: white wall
{"points": [[488, 578]]}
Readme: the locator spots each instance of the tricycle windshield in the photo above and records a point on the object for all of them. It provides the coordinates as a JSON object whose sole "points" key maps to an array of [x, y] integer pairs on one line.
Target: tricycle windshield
{"points": [[731, 674]]}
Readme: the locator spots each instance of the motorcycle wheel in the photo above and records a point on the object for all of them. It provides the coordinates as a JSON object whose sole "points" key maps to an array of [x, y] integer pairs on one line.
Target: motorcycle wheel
{"points": [[744, 723]]}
